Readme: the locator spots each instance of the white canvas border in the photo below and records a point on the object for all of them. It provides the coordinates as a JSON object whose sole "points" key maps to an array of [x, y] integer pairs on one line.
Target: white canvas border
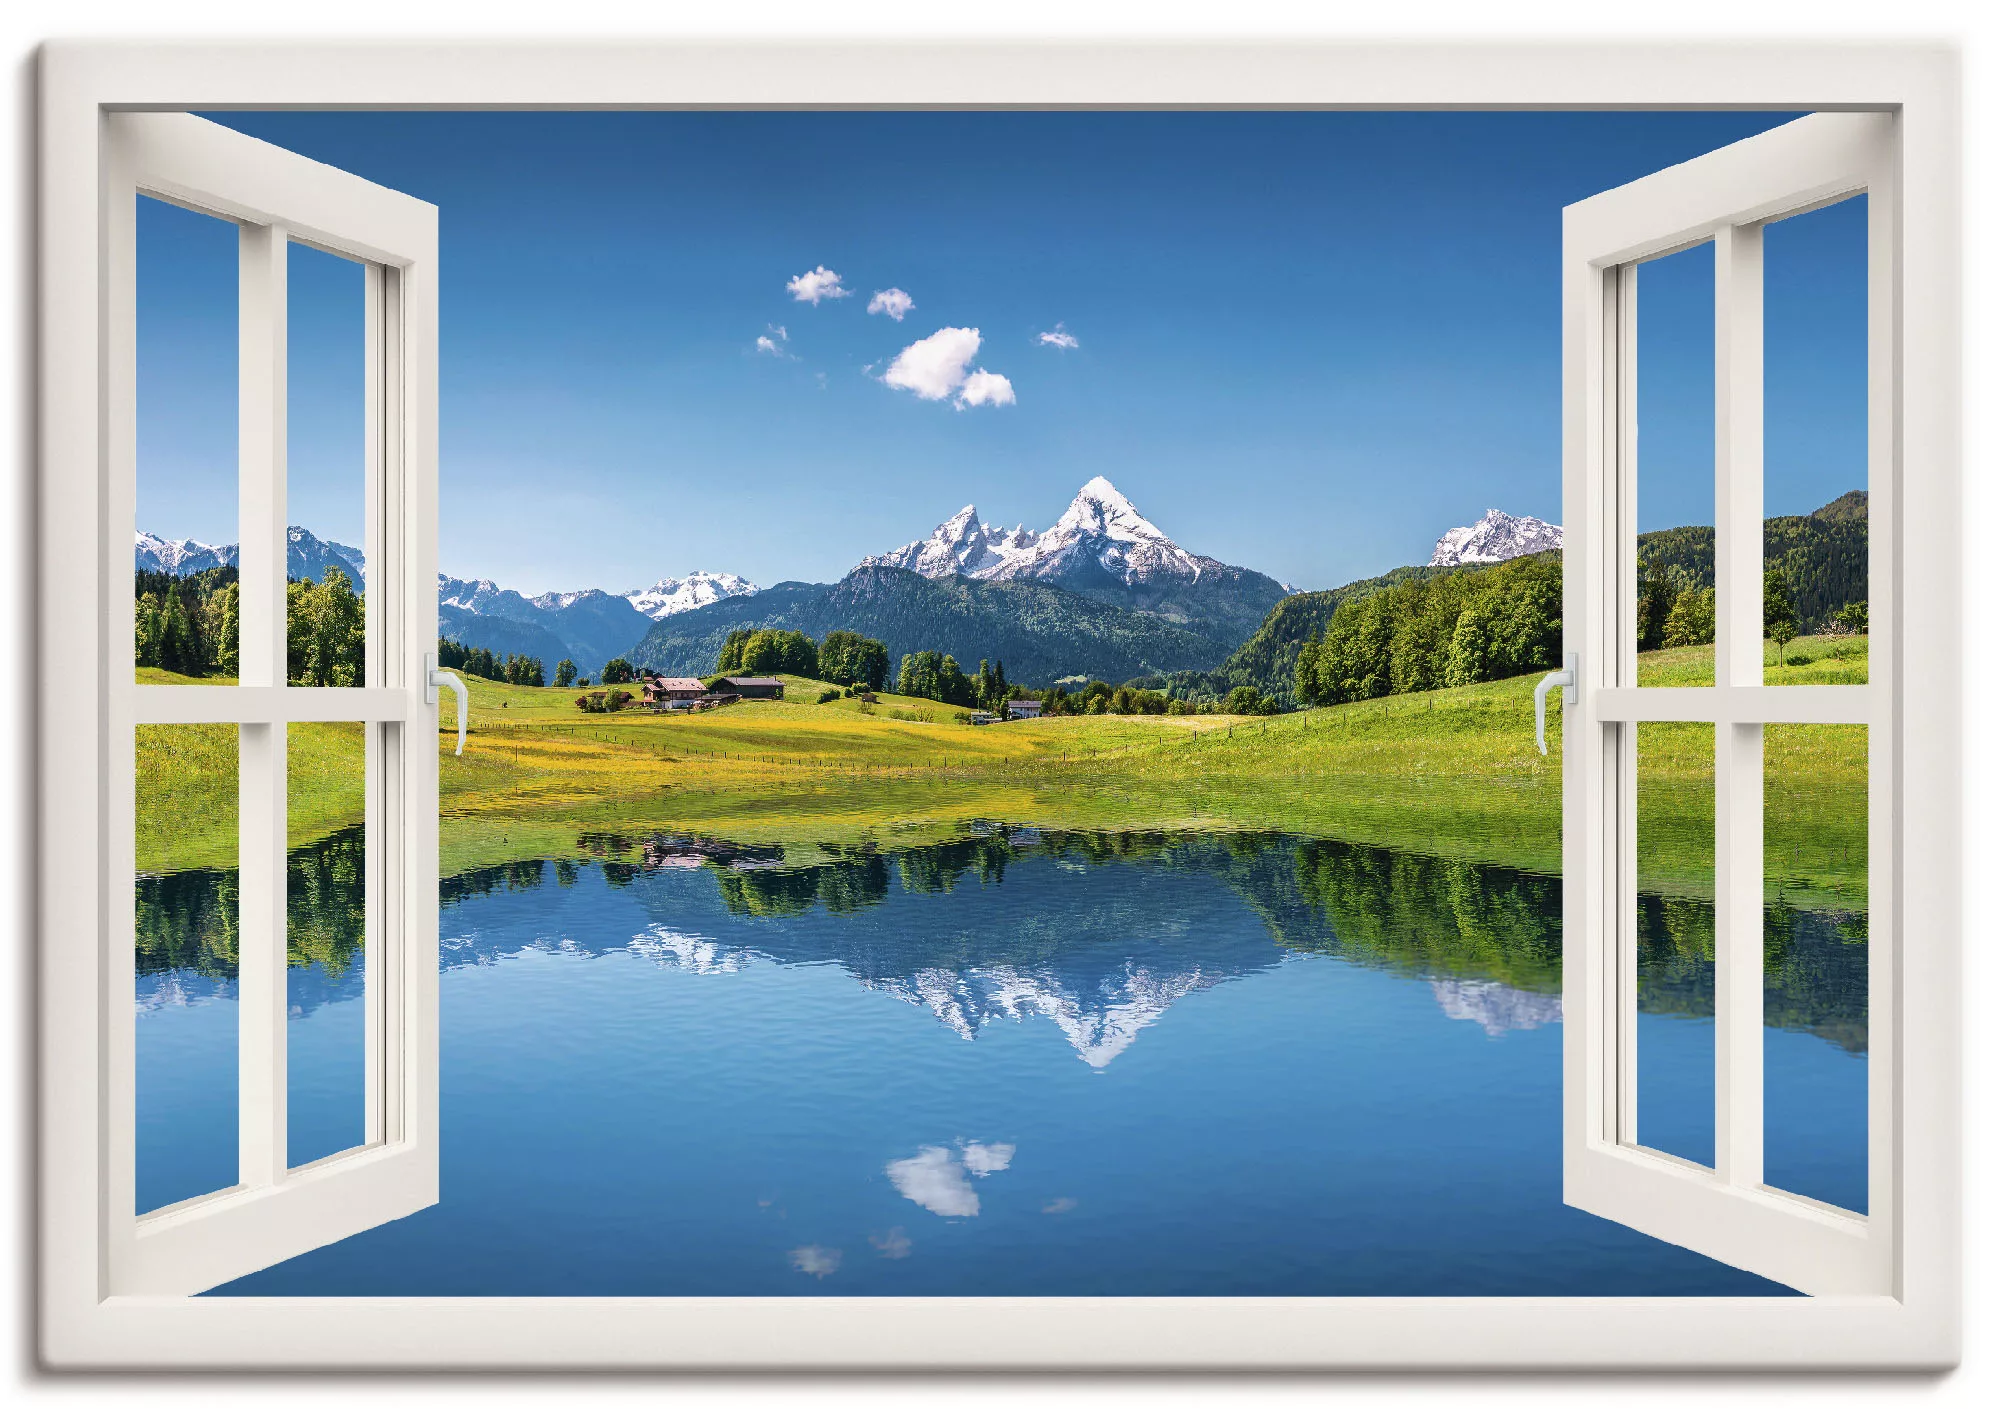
{"points": [[1918, 1327]]}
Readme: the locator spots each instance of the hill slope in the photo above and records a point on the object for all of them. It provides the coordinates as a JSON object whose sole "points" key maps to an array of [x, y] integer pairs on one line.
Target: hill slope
{"points": [[1824, 556], [1042, 633]]}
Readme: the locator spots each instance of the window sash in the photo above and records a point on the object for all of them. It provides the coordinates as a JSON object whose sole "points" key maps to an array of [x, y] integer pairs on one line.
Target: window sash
{"points": [[1726, 1212], [274, 1211]]}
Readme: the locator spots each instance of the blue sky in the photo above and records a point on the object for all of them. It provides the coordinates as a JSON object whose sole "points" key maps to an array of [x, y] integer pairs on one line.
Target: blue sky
{"points": [[1304, 342]]}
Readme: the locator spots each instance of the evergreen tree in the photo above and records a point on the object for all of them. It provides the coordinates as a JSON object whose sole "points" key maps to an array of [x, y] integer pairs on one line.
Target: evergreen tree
{"points": [[1781, 618], [1691, 622], [1656, 600]]}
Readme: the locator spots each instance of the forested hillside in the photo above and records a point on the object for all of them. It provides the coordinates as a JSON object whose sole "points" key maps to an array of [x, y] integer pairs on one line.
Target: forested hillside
{"points": [[1823, 556], [1043, 633]]}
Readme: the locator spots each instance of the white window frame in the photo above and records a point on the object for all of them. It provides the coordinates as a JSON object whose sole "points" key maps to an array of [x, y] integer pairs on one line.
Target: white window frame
{"points": [[1915, 1324], [1726, 197], [275, 199]]}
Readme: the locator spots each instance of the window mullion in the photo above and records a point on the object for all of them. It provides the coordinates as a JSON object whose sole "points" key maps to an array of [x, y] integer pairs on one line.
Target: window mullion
{"points": [[261, 811], [1739, 663]]}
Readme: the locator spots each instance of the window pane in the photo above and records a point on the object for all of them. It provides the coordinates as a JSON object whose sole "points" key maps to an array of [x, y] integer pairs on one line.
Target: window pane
{"points": [[1675, 1039], [1816, 961], [1675, 476], [184, 590], [185, 957], [326, 477], [1816, 446], [325, 940]]}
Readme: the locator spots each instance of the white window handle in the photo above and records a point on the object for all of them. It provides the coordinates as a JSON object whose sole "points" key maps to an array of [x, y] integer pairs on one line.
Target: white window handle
{"points": [[433, 677], [1566, 677]]}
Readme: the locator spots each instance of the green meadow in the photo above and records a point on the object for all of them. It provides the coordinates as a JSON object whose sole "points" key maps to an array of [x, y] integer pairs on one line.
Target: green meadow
{"points": [[1451, 773]]}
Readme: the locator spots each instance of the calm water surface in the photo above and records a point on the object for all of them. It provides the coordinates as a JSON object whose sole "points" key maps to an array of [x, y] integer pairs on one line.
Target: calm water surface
{"points": [[1017, 1064]]}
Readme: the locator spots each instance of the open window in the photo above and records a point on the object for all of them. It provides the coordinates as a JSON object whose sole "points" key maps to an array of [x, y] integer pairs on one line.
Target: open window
{"points": [[286, 1196], [1717, 1198], [120, 1262]]}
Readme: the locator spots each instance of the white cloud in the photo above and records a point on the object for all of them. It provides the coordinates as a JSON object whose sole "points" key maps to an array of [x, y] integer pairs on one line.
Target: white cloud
{"points": [[939, 365], [773, 340], [816, 1261], [934, 367], [816, 284], [934, 1178], [986, 389], [1060, 337], [893, 1244], [986, 1159], [893, 302]]}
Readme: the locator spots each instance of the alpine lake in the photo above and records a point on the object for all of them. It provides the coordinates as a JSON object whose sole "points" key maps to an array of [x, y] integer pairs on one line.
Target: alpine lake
{"points": [[1017, 1061]]}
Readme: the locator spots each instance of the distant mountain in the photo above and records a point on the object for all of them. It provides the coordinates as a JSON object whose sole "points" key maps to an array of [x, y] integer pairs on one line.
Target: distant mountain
{"points": [[1041, 632], [306, 556], [671, 595], [506, 636], [588, 627], [1494, 539], [182, 557], [1102, 548]]}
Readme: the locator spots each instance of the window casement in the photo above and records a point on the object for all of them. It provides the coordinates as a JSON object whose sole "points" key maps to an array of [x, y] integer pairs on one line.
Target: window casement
{"points": [[115, 1287], [278, 200], [1725, 1210]]}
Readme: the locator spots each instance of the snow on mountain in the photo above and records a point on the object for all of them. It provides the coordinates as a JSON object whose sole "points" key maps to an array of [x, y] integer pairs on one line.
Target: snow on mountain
{"points": [[673, 595], [1494, 539], [1494, 1006], [1099, 1023], [180, 556], [306, 555], [1100, 531], [485, 596]]}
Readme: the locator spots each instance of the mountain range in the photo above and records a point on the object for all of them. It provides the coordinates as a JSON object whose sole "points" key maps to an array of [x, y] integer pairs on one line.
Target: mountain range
{"points": [[588, 627], [1103, 592], [306, 556]]}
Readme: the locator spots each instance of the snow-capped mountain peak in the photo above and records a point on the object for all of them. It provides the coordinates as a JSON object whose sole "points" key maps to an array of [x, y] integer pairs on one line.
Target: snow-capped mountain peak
{"points": [[1101, 534], [1494, 539], [1100, 508], [672, 595]]}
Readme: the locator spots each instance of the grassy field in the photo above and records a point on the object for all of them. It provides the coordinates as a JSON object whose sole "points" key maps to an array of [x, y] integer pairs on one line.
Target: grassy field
{"points": [[1452, 773]]}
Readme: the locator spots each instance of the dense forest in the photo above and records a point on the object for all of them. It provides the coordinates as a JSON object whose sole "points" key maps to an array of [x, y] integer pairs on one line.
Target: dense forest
{"points": [[844, 657], [1823, 556], [189, 625], [1429, 633]]}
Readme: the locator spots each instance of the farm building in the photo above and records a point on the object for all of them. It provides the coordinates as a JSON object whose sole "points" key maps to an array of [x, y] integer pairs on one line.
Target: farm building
{"points": [[662, 688], [754, 687], [1024, 709]]}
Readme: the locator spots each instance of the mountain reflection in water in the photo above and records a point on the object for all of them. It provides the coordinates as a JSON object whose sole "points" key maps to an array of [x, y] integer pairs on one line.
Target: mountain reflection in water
{"points": [[1323, 1125]]}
